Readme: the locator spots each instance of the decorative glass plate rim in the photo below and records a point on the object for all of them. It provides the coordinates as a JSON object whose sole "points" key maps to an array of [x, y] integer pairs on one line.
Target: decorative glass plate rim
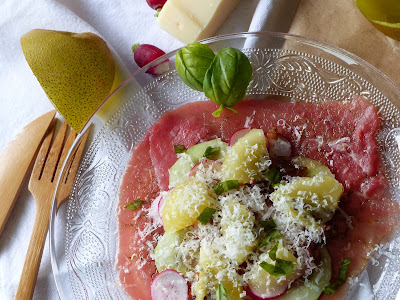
{"points": [[310, 42]]}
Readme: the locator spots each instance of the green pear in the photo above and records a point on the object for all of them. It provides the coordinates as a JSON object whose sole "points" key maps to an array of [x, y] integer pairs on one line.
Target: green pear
{"points": [[76, 70]]}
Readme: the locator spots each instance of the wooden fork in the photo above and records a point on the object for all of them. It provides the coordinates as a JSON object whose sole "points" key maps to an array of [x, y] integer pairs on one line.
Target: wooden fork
{"points": [[42, 185]]}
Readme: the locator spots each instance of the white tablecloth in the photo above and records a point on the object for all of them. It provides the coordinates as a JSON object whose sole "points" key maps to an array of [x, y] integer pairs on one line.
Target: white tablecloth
{"points": [[121, 23]]}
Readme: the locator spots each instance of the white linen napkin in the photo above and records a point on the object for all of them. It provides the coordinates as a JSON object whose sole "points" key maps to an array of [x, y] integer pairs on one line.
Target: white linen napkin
{"points": [[121, 24]]}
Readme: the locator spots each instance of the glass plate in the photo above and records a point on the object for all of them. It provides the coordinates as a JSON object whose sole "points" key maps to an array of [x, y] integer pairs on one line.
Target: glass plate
{"points": [[84, 231]]}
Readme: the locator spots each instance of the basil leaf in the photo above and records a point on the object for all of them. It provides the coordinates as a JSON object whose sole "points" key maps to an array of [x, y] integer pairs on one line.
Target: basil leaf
{"points": [[272, 251], [278, 184], [222, 293], [271, 235], [273, 175], [281, 267], [342, 276], [211, 152], [269, 268], [179, 149], [134, 205], [268, 224], [206, 215], [227, 79], [192, 62], [284, 265], [225, 186]]}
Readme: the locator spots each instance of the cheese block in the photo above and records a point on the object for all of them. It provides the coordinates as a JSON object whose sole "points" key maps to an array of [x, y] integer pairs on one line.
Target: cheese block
{"points": [[193, 20]]}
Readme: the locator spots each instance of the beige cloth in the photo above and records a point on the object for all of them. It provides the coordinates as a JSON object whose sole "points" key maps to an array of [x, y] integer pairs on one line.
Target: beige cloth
{"points": [[340, 23]]}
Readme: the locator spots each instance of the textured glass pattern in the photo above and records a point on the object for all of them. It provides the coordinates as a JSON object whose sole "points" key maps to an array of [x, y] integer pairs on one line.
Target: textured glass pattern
{"points": [[91, 223]]}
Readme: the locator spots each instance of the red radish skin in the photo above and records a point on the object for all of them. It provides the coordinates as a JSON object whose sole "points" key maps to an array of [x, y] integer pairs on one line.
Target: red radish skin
{"points": [[160, 205], [237, 135], [145, 54], [155, 211], [169, 285], [208, 163], [156, 4], [253, 295]]}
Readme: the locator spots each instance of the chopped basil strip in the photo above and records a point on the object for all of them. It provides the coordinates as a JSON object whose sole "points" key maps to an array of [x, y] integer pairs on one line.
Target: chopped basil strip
{"points": [[225, 186], [206, 215], [271, 235], [179, 149], [222, 293], [135, 204], [282, 267], [211, 152], [286, 266], [272, 251], [278, 184], [343, 272], [268, 225], [273, 175]]}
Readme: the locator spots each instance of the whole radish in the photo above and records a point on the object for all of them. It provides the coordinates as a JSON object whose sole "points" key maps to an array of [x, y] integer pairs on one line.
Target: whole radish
{"points": [[146, 53], [156, 4]]}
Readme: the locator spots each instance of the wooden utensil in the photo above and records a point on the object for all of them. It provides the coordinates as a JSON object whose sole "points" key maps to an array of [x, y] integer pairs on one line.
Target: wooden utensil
{"points": [[16, 160], [42, 186]]}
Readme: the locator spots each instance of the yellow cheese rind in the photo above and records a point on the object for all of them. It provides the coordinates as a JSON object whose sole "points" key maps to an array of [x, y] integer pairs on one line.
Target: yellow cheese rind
{"points": [[193, 20]]}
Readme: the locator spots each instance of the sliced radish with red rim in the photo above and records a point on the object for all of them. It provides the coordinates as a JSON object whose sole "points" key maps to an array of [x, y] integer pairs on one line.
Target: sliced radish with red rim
{"points": [[213, 165], [237, 135], [256, 293], [169, 285], [155, 209], [160, 206]]}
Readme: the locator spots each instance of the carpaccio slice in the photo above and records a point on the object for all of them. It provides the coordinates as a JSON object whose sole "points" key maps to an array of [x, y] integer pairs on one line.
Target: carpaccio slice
{"points": [[338, 134]]}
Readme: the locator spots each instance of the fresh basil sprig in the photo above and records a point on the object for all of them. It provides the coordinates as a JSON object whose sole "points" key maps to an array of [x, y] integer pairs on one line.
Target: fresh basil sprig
{"points": [[224, 77], [192, 63], [227, 79]]}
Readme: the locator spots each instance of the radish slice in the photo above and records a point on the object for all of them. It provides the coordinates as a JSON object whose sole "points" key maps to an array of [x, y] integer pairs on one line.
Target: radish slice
{"points": [[279, 147], [256, 294], [215, 166], [237, 135], [169, 285], [155, 209], [160, 206]]}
